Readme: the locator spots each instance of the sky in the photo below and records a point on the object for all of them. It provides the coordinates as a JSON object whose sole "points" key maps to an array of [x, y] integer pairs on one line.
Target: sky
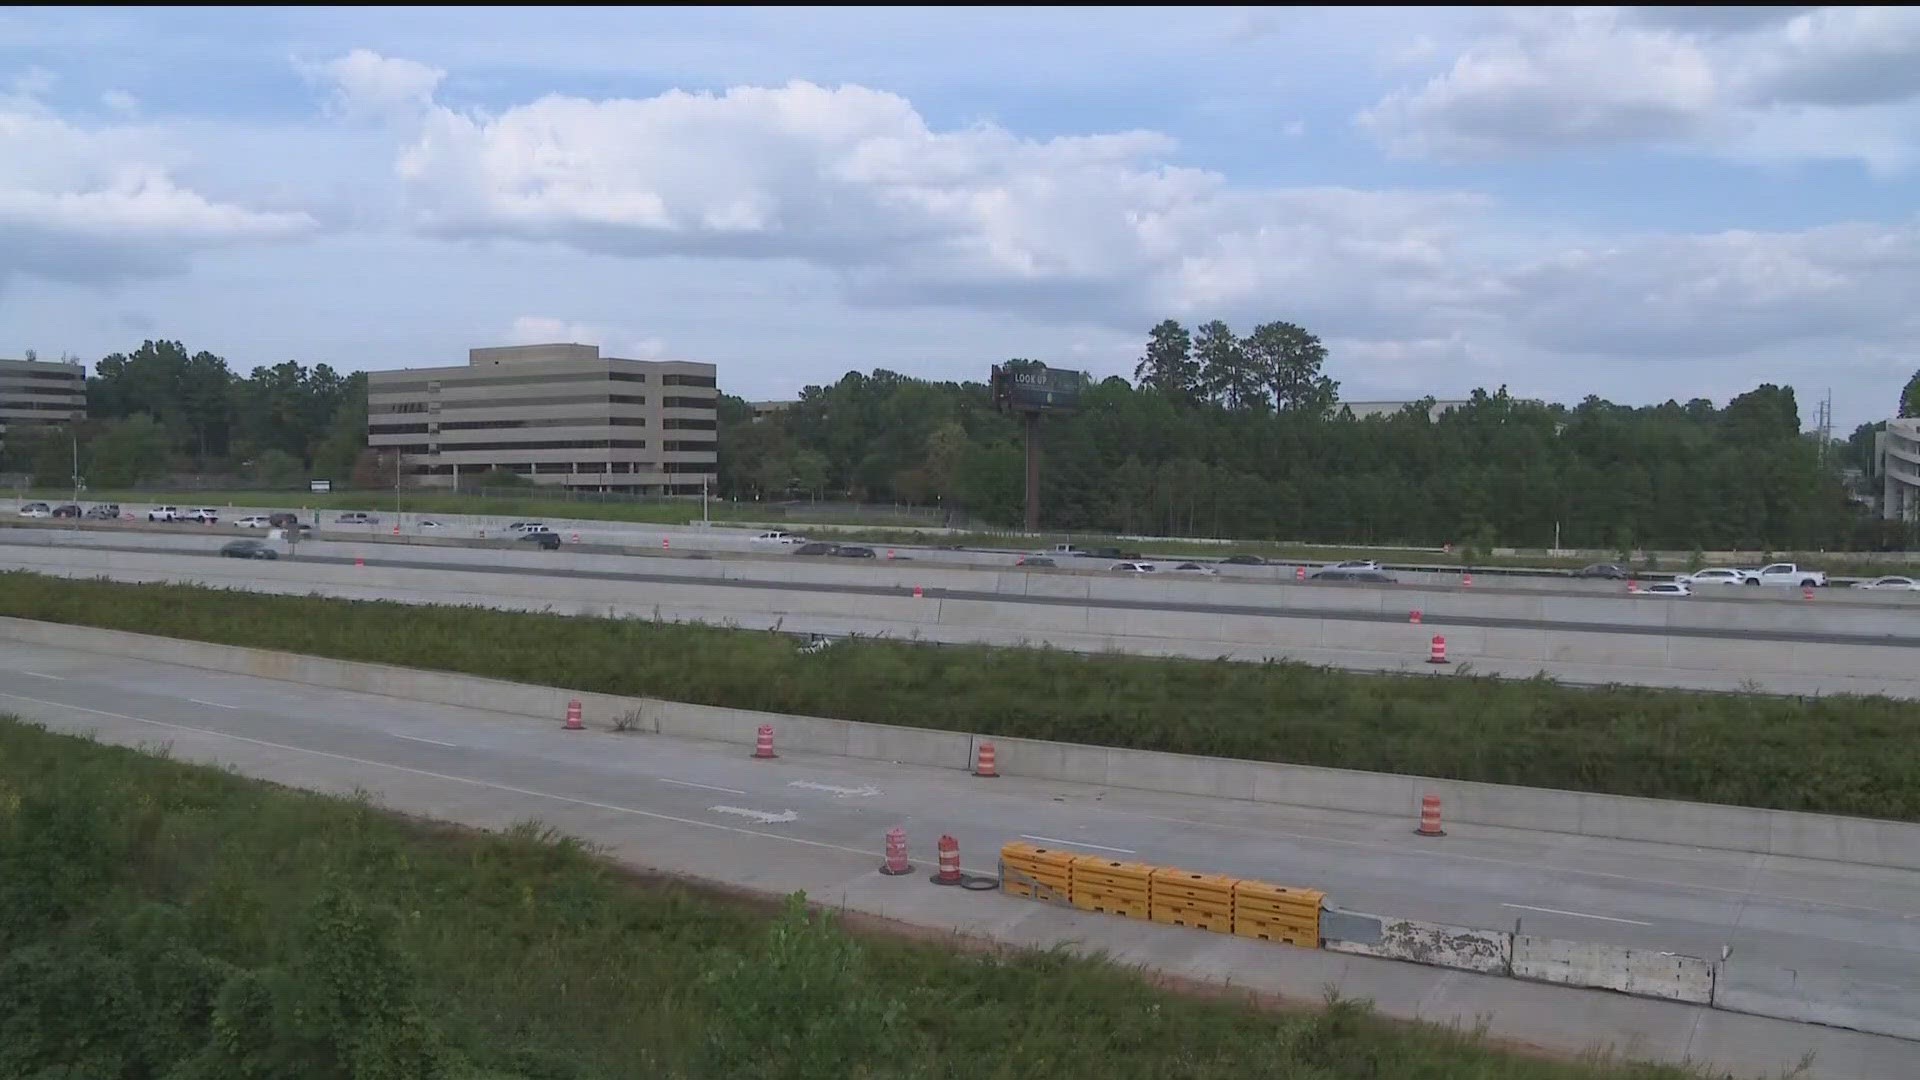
{"points": [[1642, 203]]}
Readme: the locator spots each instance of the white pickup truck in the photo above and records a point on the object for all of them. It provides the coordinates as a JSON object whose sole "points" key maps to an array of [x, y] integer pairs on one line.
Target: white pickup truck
{"points": [[1789, 574]]}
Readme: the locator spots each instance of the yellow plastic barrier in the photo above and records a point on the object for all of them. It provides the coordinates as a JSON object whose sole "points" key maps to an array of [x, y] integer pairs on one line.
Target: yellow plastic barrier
{"points": [[1037, 873], [1277, 913], [1113, 887], [1187, 898]]}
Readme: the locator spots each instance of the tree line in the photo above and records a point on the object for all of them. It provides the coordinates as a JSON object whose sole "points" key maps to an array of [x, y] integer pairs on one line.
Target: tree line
{"points": [[160, 411], [1224, 436]]}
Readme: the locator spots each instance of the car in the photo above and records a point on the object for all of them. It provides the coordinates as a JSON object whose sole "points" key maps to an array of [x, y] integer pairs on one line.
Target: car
{"points": [[779, 536], [1356, 564], [431, 525], [103, 512], [528, 527], [1667, 588], [1605, 570], [248, 549], [1893, 584], [356, 517], [1195, 568], [853, 551], [254, 521], [36, 510], [546, 538], [1133, 567], [813, 548], [285, 520], [1790, 574], [164, 513], [205, 515], [1719, 575], [1336, 573], [1035, 562], [66, 510], [1244, 560]]}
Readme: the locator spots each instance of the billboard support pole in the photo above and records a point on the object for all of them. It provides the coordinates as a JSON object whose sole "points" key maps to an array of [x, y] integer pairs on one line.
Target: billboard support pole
{"points": [[1033, 472]]}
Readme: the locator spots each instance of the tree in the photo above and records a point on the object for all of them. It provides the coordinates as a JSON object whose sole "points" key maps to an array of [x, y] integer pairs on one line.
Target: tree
{"points": [[126, 452], [1227, 374], [1168, 367], [946, 449], [1910, 397], [1291, 359]]}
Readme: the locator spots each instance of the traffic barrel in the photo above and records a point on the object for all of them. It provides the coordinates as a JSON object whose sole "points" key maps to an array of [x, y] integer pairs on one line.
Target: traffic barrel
{"points": [[573, 716], [1430, 817], [1806, 592], [396, 528], [949, 873], [1467, 581], [896, 863], [1633, 586], [576, 538], [984, 764], [358, 561], [1438, 654], [666, 544], [917, 594], [889, 553], [1414, 617], [763, 742], [1299, 573]]}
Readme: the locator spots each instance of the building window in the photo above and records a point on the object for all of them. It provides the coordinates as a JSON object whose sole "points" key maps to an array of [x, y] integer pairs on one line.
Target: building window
{"points": [[687, 466], [688, 445], [687, 380], [689, 403], [397, 429], [677, 424], [627, 376]]}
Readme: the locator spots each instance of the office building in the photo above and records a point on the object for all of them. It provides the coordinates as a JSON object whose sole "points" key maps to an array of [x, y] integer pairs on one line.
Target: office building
{"points": [[38, 393], [560, 415], [1897, 463]]}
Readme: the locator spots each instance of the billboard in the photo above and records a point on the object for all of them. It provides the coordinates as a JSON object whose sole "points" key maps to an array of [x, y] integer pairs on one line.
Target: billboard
{"points": [[1035, 388]]}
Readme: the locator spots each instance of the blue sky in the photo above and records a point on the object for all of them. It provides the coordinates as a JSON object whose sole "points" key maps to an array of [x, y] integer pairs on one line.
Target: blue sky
{"points": [[1641, 203]]}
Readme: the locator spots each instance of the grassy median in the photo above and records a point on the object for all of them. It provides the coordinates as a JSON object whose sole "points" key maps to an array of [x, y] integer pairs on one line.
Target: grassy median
{"points": [[165, 920], [1842, 755]]}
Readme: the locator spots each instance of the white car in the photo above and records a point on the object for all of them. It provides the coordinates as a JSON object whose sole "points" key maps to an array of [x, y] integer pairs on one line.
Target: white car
{"points": [[1893, 584], [1667, 588], [431, 525], [254, 521], [164, 513], [1355, 564], [778, 536], [1133, 567], [1719, 575], [1196, 568], [36, 510], [528, 527], [205, 515]]}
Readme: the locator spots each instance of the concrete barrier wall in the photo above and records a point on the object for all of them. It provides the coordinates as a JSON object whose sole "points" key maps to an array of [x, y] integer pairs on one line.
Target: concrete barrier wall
{"points": [[1775, 832], [1489, 952], [1609, 967]]}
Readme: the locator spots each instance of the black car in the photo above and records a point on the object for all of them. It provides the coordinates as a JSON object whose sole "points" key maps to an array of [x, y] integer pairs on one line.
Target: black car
{"points": [[548, 541], [814, 548], [1376, 577], [67, 511], [1607, 571], [248, 549], [1243, 560], [1038, 562], [853, 551]]}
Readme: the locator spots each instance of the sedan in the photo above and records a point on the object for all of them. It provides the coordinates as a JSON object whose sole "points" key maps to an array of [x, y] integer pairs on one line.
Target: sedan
{"points": [[814, 547], [1195, 568], [1606, 570], [1715, 576], [254, 521], [1244, 560], [1133, 567], [849, 551], [1371, 577], [1356, 564], [1035, 562], [431, 525], [248, 549], [1893, 584], [205, 515], [69, 510], [1667, 588], [36, 510]]}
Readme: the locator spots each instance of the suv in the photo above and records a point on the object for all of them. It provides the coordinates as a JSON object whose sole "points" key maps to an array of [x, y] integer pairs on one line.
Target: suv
{"points": [[1605, 570], [853, 551], [546, 538], [103, 512], [164, 513], [356, 517], [205, 515], [35, 510], [814, 548], [67, 510]]}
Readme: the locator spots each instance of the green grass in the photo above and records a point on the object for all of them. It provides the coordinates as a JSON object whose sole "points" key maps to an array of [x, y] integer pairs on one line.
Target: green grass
{"points": [[164, 920], [1841, 755]]}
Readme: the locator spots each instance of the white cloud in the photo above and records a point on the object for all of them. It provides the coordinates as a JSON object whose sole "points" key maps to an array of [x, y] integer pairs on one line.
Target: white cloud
{"points": [[1749, 84], [367, 84], [544, 330], [91, 203]]}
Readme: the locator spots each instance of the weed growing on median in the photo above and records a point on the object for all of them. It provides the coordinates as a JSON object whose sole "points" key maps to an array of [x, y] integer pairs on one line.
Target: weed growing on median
{"points": [[213, 927], [1839, 754]]}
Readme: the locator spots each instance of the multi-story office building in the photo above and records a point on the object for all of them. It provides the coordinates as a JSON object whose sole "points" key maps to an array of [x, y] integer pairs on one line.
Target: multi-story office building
{"points": [[1898, 466], [558, 415], [38, 393]]}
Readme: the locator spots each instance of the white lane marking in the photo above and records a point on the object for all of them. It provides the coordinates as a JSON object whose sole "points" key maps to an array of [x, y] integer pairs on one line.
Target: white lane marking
{"points": [[1577, 914], [839, 792], [416, 738], [468, 780], [44, 675], [1078, 843], [703, 787], [215, 704], [760, 816]]}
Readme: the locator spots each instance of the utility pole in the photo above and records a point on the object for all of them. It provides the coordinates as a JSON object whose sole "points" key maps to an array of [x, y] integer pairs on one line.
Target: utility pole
{"points": [[76, 466], [703, 501], [1033, 472]]}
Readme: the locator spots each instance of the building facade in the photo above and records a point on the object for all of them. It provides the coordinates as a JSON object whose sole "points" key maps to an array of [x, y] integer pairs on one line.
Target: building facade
{"points": [[560, 415], [40, 393], [1897, 453]]}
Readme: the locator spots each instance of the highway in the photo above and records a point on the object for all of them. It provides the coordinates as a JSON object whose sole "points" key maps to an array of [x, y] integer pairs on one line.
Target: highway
{"points": [[1863, 645], [1845, 936]]}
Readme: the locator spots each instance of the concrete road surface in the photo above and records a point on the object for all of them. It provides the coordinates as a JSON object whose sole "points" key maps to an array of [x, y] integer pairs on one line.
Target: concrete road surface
{"points": [[1841, 939]]}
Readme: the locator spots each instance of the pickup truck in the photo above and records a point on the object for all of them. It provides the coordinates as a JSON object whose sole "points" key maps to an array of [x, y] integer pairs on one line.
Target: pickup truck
{"points": [[1786, 573]]}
